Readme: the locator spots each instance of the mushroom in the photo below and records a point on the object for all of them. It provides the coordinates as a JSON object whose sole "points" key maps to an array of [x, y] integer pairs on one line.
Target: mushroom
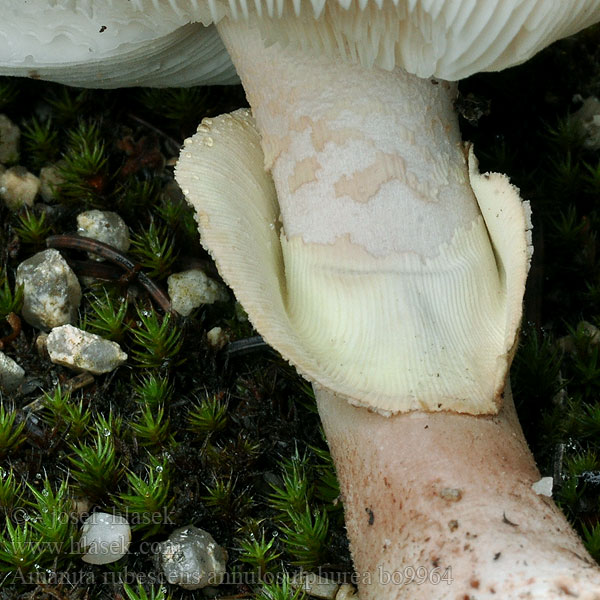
{"points": [[387, 269]]}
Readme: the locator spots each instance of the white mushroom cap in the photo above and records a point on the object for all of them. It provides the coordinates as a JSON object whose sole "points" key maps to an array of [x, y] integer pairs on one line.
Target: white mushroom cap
{"points": [[147, 42], [109, 44], [448, 39]]}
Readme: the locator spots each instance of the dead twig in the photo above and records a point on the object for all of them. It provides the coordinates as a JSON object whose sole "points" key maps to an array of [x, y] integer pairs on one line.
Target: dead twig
{"points": [[76, 242], [15, 323]]}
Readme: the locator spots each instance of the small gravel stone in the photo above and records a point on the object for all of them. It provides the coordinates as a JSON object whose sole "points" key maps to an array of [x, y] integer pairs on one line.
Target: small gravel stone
{"points": [[83, 351], [9, 140], [346, 592], [315, 585], [588, 118], [50, 180], [11, 374], [51, 292], [41, 344], [104, 226], [543, 487], [190, 289], [18, 188], [568, 342], [105, 538], [217, 338], [192, 559]]}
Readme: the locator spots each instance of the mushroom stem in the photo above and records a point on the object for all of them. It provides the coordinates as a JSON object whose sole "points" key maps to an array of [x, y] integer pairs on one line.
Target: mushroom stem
{"points": [[403, 272], [352, 149], [440, 505], [394, 284]]}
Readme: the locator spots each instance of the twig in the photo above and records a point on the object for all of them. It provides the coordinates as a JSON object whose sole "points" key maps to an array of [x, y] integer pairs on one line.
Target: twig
{"points": [[176, 145], [76, 242], [15, 322]]}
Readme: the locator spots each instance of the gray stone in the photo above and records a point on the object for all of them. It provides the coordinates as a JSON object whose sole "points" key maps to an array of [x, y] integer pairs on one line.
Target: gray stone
{"points": [[191, 559], [51, 292], [83, 351], [18, 188], [190, 289], [9, 140], [104, 226], [588, 119], [11, 374]]}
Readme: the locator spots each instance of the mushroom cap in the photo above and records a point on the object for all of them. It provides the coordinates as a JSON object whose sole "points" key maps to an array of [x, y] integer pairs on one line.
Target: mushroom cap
{"points": [[447, 39], [151, 42]]}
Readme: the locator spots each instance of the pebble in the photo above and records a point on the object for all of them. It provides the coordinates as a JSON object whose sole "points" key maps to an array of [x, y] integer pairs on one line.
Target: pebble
{"points": [[346, 592], [543, 487], [18, 188], [191, 559], [105, 538], [315, 585], [190, 289], [9, 140], [104, 226], [50, 181], [568, 342], [11, 374], [51, 292], [588, 118], [217, 338], [83, 351]]}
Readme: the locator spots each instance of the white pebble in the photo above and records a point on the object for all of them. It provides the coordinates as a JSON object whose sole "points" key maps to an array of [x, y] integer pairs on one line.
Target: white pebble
{"points": [[191, 559], [315, 585], [105, 538], [18, 188], [83, 351], [50, 181], [217, 338], [190, 289], [543, 487], [104, 226]]}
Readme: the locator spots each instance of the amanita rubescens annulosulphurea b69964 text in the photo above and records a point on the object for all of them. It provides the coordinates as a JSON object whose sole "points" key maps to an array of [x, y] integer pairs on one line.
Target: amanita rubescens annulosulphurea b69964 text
{"points": [[356, 230]]}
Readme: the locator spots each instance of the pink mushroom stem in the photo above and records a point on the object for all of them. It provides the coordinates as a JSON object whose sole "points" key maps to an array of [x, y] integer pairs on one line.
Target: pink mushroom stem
{"points": [[440, 505]]}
